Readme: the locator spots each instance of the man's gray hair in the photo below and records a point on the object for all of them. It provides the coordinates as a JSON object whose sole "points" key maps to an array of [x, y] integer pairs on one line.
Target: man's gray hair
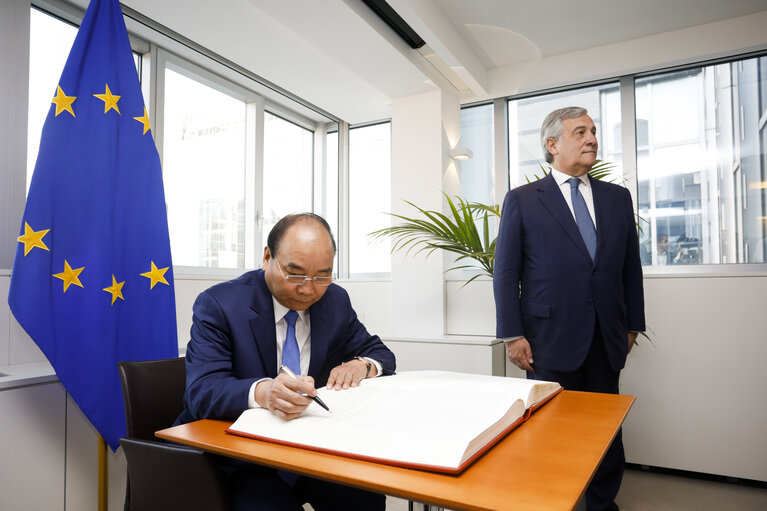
{"points": [[552, 126]]}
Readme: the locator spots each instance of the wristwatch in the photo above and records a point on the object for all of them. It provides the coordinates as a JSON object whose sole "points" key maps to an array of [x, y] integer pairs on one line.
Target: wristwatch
{"points": [[368, 365]]}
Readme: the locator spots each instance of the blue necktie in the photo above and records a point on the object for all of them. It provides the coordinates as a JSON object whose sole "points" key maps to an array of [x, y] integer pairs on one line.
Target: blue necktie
{"points": [[583, 218], [291, 357]]}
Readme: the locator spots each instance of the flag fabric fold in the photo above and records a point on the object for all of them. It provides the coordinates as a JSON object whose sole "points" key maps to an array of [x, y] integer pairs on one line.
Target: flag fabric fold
{"points": [[92, 281]]}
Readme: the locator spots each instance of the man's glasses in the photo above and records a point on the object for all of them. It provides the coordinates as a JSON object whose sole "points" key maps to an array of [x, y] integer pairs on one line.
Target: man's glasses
{"points": [[297, 280]]}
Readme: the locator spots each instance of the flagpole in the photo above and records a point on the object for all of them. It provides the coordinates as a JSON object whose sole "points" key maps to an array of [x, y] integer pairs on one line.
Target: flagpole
{"points": [[103, 475]]}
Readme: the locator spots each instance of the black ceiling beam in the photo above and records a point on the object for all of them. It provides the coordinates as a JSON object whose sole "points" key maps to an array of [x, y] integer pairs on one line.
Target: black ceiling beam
{"points": [[389, 16]]}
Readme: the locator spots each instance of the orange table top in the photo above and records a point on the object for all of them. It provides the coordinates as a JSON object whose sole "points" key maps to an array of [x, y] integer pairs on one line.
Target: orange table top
{"points": [[545, 463]]}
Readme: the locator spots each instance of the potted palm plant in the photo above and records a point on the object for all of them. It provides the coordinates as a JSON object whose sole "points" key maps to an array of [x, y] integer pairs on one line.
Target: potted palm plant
{"points": [[465, 231]]}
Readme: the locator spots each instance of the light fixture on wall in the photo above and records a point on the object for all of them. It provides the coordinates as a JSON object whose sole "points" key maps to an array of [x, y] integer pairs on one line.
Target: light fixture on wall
{"points": [[461, 153]]}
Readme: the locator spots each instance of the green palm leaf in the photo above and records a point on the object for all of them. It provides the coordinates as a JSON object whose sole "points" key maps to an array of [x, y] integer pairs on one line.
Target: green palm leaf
{"points": [[464, 230], [456, 232]]}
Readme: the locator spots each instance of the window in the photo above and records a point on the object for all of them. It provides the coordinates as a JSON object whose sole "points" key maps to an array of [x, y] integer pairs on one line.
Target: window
{"points": [[701, 164], [288, 170], [369, 198], [330, 190], [526, 116], [476, 173], [230, 167], [50, 40], [204, 172]]}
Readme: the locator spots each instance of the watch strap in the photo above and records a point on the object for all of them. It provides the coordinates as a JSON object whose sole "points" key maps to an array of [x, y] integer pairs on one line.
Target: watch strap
{"points": [[368, 365]]}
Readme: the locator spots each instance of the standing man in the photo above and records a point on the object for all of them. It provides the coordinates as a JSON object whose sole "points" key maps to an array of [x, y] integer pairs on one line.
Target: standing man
{"points": [[568, 279], [288, 312]]}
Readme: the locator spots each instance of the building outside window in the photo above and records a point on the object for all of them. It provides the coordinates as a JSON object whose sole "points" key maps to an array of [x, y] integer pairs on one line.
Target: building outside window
{"points": [[701, 164], [526, 116], [204, 172]]}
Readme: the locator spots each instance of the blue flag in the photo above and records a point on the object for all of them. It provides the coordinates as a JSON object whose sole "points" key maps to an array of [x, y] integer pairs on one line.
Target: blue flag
{"points": [[92, 282]]}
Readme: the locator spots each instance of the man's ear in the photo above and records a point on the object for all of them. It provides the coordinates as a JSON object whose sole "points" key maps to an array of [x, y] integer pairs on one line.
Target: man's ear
{"points": [[551, 146], [267, 258]]}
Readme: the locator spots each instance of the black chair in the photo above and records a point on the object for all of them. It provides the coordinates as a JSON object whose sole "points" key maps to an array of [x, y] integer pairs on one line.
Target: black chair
{"points": [[162, 476]]}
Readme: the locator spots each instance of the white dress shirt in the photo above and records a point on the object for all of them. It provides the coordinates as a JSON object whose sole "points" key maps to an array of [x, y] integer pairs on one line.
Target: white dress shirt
{"points": [[585, 188]]}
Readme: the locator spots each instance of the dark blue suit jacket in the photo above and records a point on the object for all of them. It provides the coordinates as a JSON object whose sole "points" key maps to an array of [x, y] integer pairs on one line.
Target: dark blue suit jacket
{"points": [[546, 287], [233, 344]]}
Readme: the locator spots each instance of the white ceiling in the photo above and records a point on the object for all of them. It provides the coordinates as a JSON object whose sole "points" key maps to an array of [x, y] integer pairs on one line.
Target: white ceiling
{"points": [[339, 56]]}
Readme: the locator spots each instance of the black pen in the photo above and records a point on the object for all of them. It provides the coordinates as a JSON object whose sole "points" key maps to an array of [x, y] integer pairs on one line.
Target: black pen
{"points": [[285, 369]]}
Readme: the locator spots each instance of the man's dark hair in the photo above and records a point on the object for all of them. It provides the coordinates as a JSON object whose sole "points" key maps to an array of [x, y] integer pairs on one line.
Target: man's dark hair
{"points": [[284, 223]]}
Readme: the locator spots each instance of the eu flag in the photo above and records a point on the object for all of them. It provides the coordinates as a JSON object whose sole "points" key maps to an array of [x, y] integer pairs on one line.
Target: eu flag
{"points": [[92, 281]]}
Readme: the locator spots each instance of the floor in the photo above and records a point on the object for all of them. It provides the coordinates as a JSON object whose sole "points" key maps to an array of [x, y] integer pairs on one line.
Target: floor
{"points": [[644, 490]]}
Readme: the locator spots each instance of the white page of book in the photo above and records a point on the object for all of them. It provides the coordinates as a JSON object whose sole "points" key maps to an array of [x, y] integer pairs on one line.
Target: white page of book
{"points": [[420, 417]]}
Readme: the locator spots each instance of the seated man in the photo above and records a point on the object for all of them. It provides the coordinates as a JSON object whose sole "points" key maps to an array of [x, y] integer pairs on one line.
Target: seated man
{"points": [[288, 312]]}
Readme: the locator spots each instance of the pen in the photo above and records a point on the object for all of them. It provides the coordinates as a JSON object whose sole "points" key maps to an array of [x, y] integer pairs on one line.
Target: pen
{"points": [[285, 369]]}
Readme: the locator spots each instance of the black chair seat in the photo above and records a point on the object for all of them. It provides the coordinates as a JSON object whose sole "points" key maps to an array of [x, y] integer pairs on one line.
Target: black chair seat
{"points": [[166, 477]]}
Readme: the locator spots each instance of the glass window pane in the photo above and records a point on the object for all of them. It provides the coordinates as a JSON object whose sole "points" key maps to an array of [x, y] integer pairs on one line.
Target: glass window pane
{"points": [[369, 197], [50, 40], [526, 116], [331, 185], [204, 173], [701, 168], [288, 167], [476, 173]]}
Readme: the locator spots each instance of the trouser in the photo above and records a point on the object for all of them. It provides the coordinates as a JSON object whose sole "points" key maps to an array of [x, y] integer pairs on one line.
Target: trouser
{"points": [[256, 488], [595, 375]]}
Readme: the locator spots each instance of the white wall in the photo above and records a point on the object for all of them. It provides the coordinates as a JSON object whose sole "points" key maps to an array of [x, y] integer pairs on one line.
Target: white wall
{"points": [[699, 384], [700, 387]]}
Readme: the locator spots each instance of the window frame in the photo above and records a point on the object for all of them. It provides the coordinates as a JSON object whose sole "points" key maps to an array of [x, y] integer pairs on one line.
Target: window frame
{"points": [[348, 275], [160, 47], [629, 152]]}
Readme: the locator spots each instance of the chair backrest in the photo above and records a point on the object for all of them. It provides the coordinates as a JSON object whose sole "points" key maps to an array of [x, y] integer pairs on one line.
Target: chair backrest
{"points": [[153, 392]]}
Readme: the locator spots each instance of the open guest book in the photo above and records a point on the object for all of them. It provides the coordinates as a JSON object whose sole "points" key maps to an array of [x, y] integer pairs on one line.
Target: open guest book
{"points": [[431, 420]]}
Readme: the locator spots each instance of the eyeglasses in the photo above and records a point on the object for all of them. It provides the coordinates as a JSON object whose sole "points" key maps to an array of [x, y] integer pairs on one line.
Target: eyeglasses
{"points": [[298, 280]]}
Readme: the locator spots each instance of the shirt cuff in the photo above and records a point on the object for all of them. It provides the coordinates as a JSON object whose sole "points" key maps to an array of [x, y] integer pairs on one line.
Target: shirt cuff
{"points": [[252, 395], [509, 339]]}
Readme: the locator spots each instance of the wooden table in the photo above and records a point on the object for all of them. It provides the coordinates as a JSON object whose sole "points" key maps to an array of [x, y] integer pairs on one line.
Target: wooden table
{"points": [[544, 464]]}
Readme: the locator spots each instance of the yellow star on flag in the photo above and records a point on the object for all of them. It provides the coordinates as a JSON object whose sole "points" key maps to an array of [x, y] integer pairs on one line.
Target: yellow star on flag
{"points": [[109, 99], [70, 275], [144, 120], [32, 239], [116, 289], [156, 275], [63, 102]]}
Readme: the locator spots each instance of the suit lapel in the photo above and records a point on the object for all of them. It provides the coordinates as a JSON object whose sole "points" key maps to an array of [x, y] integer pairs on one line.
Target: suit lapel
{"points": [[263, 327], [603, 208], [551, 198], [318, 317]]}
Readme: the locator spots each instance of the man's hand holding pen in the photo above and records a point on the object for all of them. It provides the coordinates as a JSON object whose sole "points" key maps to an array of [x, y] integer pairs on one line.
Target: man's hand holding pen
{"points": [[288, 395], [285, 396]]}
